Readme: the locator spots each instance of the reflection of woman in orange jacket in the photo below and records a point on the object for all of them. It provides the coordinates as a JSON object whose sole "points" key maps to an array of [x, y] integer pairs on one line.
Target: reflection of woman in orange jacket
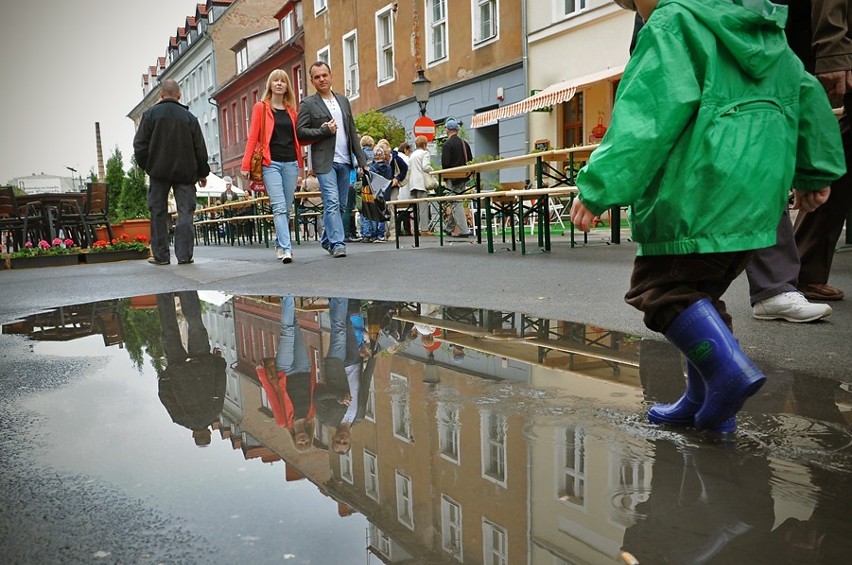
{"points": [[288, 382], [276, 115]]}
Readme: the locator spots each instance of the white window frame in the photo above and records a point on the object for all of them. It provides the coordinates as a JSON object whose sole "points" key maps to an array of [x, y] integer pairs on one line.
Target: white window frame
{"points": [[491, 533], [400, 408], [433, 27], [371, 476], [404, 501], [352, 79], [242, 59], [451, 528], [571, 489], [476, 11], [494, 439], [244, 108], [346, 471], [288, 26], [381, 541], [320, 6], [324, 55], [560, 10], [449, 433], [385, 75], [370, 408]]}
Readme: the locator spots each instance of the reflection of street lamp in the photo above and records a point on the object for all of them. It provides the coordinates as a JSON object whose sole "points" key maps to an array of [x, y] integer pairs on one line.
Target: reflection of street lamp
{"points": [[421, 86], [430, 371]]}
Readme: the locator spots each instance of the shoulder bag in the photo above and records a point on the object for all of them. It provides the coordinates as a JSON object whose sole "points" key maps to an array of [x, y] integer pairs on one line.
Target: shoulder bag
{"points": [[256, 169]]}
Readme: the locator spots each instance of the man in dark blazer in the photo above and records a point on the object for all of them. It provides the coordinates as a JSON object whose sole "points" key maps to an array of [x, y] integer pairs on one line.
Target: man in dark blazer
{"points": [[325, 122]]}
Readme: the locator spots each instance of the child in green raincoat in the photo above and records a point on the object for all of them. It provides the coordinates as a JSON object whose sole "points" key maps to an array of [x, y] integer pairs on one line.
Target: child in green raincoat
{"points": [[714, 121]]}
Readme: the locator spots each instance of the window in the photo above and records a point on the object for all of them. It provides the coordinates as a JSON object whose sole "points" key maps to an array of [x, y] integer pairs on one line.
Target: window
{"points": [[246, 116], [350, 64], [210, 79], [346, 467], [569, 7], [484, 20], [449, 427], [299, 84], [404, 501], [572, 483], [494, 546], [235, 131], [199, 78], [320, 6], [494, 447], [226, 125], [572, 121], [400, 410], [436, 30], [381, 541], [288, 27], [451, 527], [371, 475], [324, 55], [254, 97], [370, 408], [384, 45], [242, 59]]}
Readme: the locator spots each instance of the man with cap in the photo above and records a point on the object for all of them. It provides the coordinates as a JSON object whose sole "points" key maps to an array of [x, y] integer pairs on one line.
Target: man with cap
{"points": [[456, 153], [229, 195]]}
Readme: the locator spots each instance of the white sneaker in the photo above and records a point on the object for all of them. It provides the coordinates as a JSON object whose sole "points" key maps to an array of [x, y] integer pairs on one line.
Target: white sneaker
{"points": [[287, 257], [279, 253], [791, 306]]}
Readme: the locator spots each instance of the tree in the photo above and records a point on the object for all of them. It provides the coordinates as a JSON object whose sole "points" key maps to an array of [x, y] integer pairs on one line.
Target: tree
{"points": [[379, 125], [115, 177], [133, 201]]}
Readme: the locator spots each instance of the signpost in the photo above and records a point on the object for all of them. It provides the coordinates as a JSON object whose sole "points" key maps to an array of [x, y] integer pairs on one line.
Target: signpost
{"points": [[426, 127]]}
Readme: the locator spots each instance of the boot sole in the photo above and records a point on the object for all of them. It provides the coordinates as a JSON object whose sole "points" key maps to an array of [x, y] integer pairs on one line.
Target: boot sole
{"points": [[790, 318]]}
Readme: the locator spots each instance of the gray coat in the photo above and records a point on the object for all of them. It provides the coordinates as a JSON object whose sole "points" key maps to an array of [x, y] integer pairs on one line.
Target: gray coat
{"points": [[313, 113]]}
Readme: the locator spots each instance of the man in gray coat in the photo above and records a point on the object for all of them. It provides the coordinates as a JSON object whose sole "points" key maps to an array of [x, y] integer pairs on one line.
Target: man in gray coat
{"points": [[325, 121], [170, 147]]}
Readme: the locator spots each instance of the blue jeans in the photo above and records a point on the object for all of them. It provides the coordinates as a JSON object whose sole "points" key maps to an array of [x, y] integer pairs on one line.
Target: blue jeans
{"points": [[292, 355], [334, 186], [280, 181], [372, 228]]}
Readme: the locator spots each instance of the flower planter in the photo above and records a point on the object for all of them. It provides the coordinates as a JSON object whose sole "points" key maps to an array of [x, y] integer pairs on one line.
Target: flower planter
{"points": [[143, 302], [132, 228], [44, 261], [109, 256]]}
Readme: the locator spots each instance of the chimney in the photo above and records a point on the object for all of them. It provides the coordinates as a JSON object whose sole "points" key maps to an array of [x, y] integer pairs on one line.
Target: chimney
{"points": [[101, 172]]}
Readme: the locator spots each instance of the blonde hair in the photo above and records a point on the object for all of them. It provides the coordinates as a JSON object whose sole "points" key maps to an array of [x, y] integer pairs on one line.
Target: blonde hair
{"points": [[367, 141], [420, 142], [289, 96], [384, 144]]}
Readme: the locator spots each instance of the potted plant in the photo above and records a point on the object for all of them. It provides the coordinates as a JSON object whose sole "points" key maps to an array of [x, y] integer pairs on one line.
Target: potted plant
{"points": [[128, 199], [58, 253], [119, 248]]}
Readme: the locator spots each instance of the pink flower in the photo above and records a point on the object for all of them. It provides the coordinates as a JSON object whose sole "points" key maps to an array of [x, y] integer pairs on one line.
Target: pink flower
{"points": [[69, 242], [28, 245], [57, 241], [43, 244]]}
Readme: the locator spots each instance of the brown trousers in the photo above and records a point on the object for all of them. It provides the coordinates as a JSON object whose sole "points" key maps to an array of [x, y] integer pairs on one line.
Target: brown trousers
{"points": [[663, 286]]}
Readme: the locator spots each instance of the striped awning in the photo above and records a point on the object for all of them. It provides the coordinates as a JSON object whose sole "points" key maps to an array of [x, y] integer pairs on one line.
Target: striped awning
{"points": [[550, 96]]}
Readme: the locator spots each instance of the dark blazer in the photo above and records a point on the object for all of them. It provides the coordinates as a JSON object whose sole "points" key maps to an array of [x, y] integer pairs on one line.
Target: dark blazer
{"points": [[313, 113]]}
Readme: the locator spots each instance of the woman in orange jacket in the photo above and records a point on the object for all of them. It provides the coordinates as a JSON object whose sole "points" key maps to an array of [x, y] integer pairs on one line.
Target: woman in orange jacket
{"points": [[275, 115]]}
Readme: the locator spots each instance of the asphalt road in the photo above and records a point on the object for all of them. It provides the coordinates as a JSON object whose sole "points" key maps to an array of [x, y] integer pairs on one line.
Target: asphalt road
{"points": [[582, 284]]}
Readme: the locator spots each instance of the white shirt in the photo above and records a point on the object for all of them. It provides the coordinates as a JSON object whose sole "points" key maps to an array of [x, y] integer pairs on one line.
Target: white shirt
{"points": [[341, 145], [353, 376]]}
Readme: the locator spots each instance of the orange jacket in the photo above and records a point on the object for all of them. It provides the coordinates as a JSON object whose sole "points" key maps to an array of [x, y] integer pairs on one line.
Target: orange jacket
{"points": [[265, 109]]}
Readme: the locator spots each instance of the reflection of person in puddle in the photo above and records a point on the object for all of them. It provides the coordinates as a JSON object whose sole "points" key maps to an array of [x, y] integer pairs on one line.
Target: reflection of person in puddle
{"points": [[192, 386], [707, 505], [340, 402], [287, 380]]}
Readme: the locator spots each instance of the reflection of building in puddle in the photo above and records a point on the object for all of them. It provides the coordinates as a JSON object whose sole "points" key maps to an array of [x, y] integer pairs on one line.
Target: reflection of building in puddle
{"points": [[66, 323]]}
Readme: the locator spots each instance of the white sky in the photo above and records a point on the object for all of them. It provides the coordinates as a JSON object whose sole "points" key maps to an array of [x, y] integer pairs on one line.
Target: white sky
{"points": [[65, 66]]}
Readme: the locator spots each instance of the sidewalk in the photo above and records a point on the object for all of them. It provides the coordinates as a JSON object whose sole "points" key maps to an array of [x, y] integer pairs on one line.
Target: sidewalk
{"points": [[583, 284]]}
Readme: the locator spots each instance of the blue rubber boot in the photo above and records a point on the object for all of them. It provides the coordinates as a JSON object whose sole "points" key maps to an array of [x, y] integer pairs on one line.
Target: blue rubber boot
{"points": [[729, 375], [681, 413]]}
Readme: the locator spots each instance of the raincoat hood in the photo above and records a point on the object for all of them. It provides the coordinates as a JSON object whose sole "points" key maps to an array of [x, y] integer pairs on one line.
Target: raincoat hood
{"points": [[747, 28]]}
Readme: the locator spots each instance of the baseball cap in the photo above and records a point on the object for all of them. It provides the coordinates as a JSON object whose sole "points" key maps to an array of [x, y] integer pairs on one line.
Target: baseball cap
{"points": [[228, 180], [452, 124]]}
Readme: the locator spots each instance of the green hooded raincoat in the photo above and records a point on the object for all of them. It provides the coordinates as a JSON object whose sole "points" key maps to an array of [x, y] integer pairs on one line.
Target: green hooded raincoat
{"points": [[715, 120]]}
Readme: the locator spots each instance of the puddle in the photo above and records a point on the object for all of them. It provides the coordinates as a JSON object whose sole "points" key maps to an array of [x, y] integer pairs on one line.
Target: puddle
{"points": [[149, 429]]}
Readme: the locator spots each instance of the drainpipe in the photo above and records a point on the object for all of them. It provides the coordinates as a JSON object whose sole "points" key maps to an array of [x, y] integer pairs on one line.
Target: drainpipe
{"points": [[525, 64]]}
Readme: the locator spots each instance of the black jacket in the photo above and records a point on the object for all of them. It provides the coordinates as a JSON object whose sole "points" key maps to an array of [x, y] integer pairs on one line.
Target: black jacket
{"points": [[169, 144]]}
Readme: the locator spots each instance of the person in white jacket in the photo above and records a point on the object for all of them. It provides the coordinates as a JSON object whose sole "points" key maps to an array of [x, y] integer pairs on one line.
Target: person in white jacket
{"points": [[420, 181]]}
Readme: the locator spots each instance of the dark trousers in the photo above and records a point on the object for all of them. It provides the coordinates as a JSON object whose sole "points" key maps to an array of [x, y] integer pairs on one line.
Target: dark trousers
{"points": [[663, 286], [158, 194], [198, 341], [775, 269], [349, 227], [817, 232]]}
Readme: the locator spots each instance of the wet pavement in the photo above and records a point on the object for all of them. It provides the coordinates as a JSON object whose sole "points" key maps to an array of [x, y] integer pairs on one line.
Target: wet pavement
{"points": [[484, 429]]}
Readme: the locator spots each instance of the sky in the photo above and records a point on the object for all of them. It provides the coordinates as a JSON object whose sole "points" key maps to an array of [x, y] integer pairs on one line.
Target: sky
{"points": [[65, 66]]}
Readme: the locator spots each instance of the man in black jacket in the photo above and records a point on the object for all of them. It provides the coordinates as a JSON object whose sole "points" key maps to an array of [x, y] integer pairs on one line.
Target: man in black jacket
{"points": [[170, 147], [456, 153]]}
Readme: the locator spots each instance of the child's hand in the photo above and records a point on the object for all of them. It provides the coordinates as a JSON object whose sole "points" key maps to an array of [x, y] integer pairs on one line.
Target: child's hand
{"points": [[581, 216], [808, 201]]}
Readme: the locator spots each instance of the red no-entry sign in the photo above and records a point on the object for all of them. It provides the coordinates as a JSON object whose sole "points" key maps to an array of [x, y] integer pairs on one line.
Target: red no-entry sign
{"points": [[426, 127]]}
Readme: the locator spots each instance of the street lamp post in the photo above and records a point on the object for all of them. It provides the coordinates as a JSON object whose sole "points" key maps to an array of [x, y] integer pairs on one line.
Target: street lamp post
{"points": [[73, 180], [421, 86]]}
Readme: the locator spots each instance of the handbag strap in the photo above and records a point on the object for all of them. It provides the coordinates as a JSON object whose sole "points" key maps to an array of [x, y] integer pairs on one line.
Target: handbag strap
{"points": [[263, 125]]}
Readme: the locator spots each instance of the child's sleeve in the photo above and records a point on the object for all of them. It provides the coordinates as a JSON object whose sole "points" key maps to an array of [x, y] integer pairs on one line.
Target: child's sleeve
{"points": [[657, 99], [819, 151]]}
